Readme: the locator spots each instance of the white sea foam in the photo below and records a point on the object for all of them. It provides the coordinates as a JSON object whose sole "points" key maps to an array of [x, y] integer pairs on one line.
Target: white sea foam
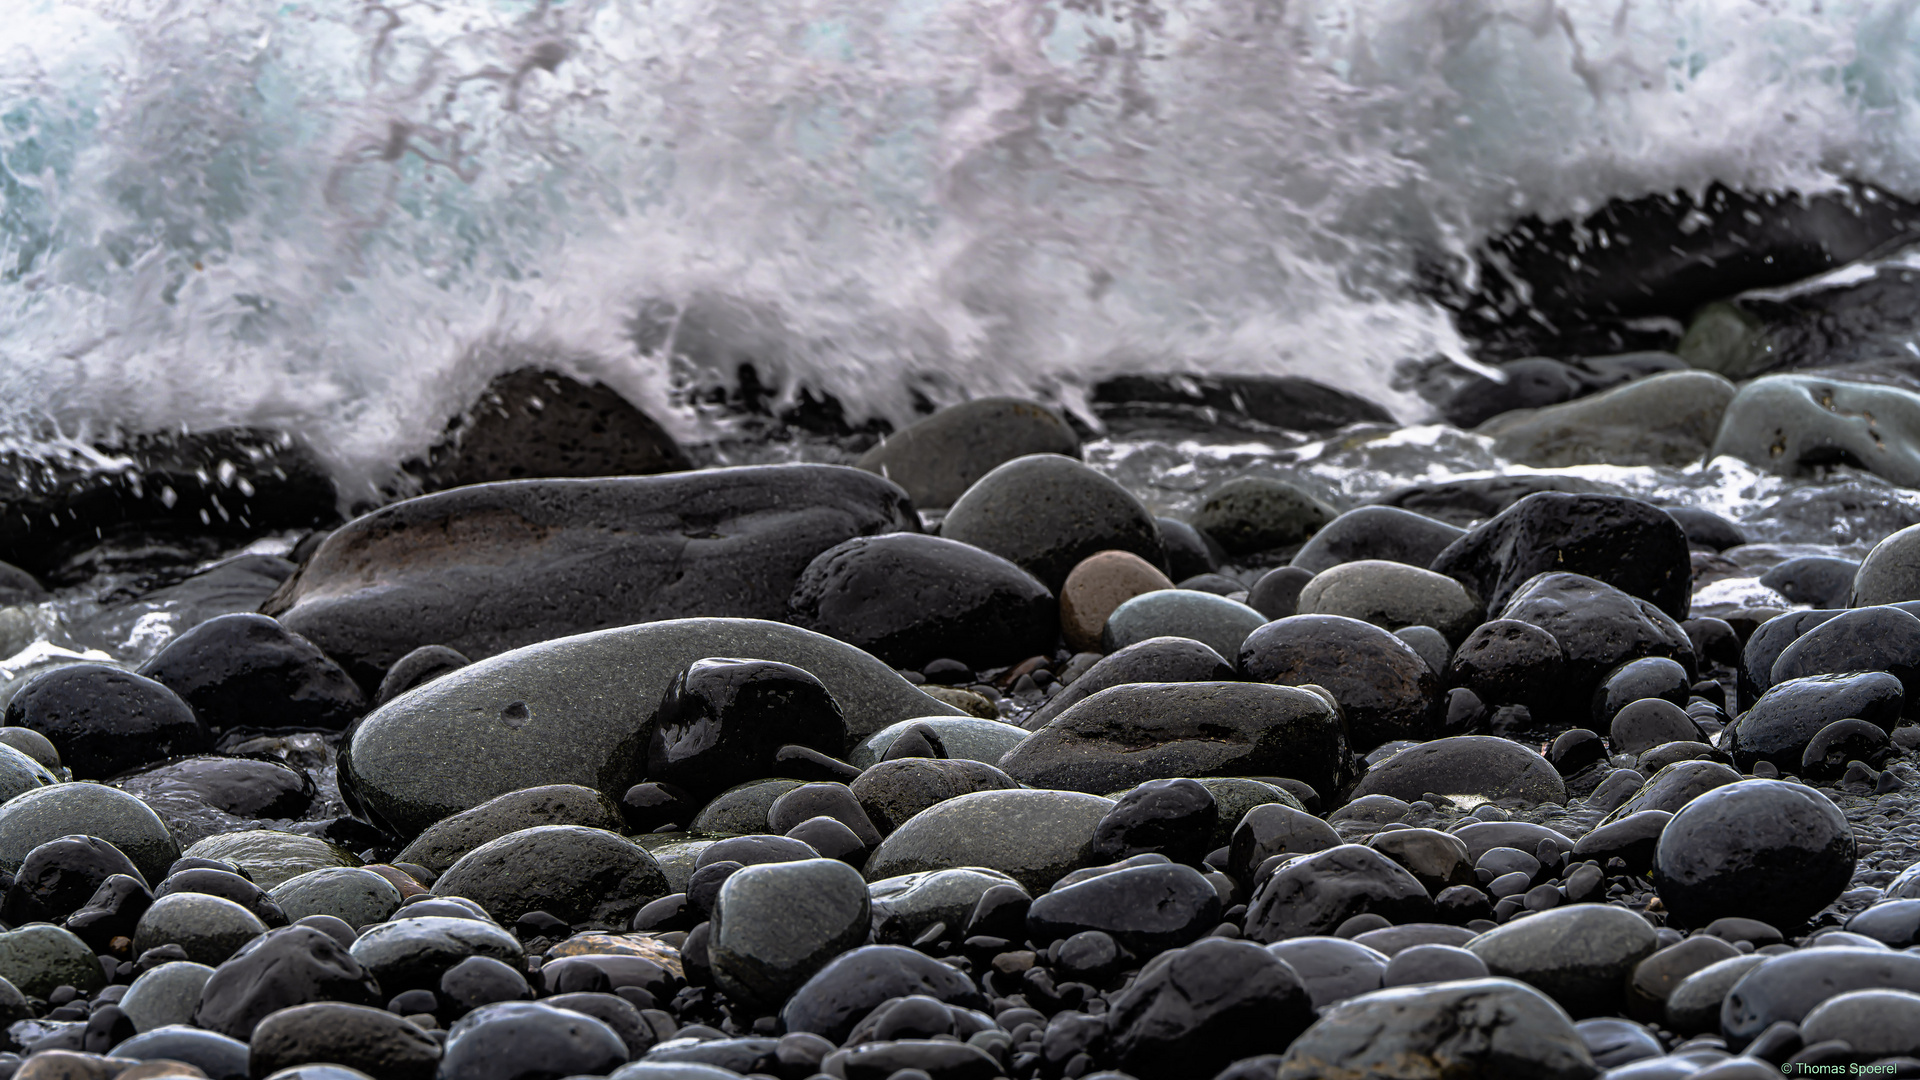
{"points": [[340, 217]]}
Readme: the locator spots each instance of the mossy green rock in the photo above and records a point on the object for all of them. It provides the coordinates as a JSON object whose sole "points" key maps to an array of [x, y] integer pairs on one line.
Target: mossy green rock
{"points": [[48, 813], [355, 896], [39, 957], [272, 858], [576, 710], [445, 841]]}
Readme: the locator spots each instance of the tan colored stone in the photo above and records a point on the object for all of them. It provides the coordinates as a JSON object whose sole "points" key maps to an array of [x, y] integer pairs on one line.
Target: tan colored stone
{"points": [[965, 700], [1100, 583]]}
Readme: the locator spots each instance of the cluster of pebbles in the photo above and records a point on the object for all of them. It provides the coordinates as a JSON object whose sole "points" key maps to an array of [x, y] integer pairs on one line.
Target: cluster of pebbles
{"points": [[767, 771]]}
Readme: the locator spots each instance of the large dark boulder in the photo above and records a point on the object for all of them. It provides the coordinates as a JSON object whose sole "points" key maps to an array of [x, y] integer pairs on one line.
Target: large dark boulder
{"points": [[1384, 688], [1208, 401], [492, 567], [1598, 627], [1046, 512], [248, 670], [1634, 546], [937, 459]]}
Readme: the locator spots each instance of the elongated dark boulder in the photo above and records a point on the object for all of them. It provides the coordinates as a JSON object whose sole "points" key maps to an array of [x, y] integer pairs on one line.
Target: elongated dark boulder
{"points": [[1490, 1029], [937, 459], [1195, 1010], [492, 567], [1382, 685], [1136, 732], [1786, 718], [1633, 546], [247, 669], [1864, 639], [1155, 660], [908, 599], [1318, 893], [576, 710]]}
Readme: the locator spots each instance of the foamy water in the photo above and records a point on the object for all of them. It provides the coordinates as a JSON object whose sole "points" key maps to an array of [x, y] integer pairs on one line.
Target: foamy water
{"points": [[340, 218]]}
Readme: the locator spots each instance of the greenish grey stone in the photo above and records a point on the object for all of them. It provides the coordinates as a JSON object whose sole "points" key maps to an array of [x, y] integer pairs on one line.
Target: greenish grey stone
{"points": [[1392, 596], [552, 804], [937, 459], [968, 738], [742, 810], [38, 957], [1787, 424], [891, 792], [272, 858], [676, 857], [48, 813], [579, 875], [1725, 339], [1214, 621], [1032, 836], [165, 995], [1580, 955], [19, 772], [13, 1004], [354, 896], [412, 953], [1665, 419], [1258, 513], [1235, 795], [210, 928], [34, 745], [576, 710], [775, 925], [905, 906], [1890, 574]]}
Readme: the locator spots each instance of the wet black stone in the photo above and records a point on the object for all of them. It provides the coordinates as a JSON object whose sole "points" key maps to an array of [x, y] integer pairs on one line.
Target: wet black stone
{"points": [[1376, 532], [1818, 580], [1632, 839], [915, 1016], [1147, 909], [1000, 912], [1864, 639], [1530, 383], [1599, 628], [1206, 402], [374, 1041], [615, 1012], [1318, 893], [1497, 769], [916, 741], [1194, 1011], [1176, 818], [1843, 741], [105, 721], [1275, 829], [808, 765], [1333, 969], [1637, 680], [1759, 849], [1575, 749], [58, 877], [516, 1040], [909, 598], [480, 980], [1676, 785], [1091, 956], [1466, 714], [1217, 584], [1707, 529], [1277, 594], [1781, 725], [849, 987], [1624, 542], [891, 792], [1046, 512], [243, 787], [703, 888], [1156, 660], [19, 587], [1483, 836], [650, 805], [835, 801], [1510, 663], [418, 668], [1787, 987], [1385, 689], [1715, 641], [1642, 725], [248, 670], [281, 968], [743, 1055], [722, 721], [226, 886], [1189, 551], [832, 839], [113, 911], [1764, 647], [218, 1056], [1462, 904]]}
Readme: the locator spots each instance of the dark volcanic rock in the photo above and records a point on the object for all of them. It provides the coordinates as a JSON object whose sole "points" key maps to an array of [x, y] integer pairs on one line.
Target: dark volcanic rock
{"points": [[856, 982], [1598, 627], [1819, 580], [59, 876], [1156, 660], [909, 599], [1206, 401], [892, 791], [1865, 639], [1636, 680], [237, 482], [104, 720], [421, 666], [1764, 647], [1631, 839], [1275, 829], [487, 568], [447, 840], [1530, 383], [1188, 553], [1377, 532], [291, 966], [243, 787], [1147, 909], [1277, 594], [1779, 727], [1249, 514], [1385, 689], [374, 1041], [577, 874], [937, 459], [722, 721], [413, 952], [1193, 1011], [1316, 894], [1843, 741], [1505, 662], [1759, 849], [248, 670], [1466, 503], [1490, 1029], [1629, 544], [1650, 722], [1045, 513], [1176, 818], [1580, 955], [1333, 969], [1495, 769], [1706, 528], [1137, 732], [532, 423], [514, 1040]]}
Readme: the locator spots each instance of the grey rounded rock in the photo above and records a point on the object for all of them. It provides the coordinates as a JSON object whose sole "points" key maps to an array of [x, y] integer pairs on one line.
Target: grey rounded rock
{"points": [[34, 745], [1046, 512], [413, 952], [445, 841], [38, 957], [270, 857], [906, 906], [742, 809], [968, 738], [1788, 424], [1377, 532], [355, 896], [775, 925], [579, 875], [1214, 621], [209, 928], [1890, 574], [1490, 1029], [1392, 595], [1694, 1006], [1256, 513], [1579, 955], [165, 995], [1032, 836], [48, 813], [1874, 1023], [892, 792], [1664, 419], [937, 459], [1498, 770], [21, 773]]}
